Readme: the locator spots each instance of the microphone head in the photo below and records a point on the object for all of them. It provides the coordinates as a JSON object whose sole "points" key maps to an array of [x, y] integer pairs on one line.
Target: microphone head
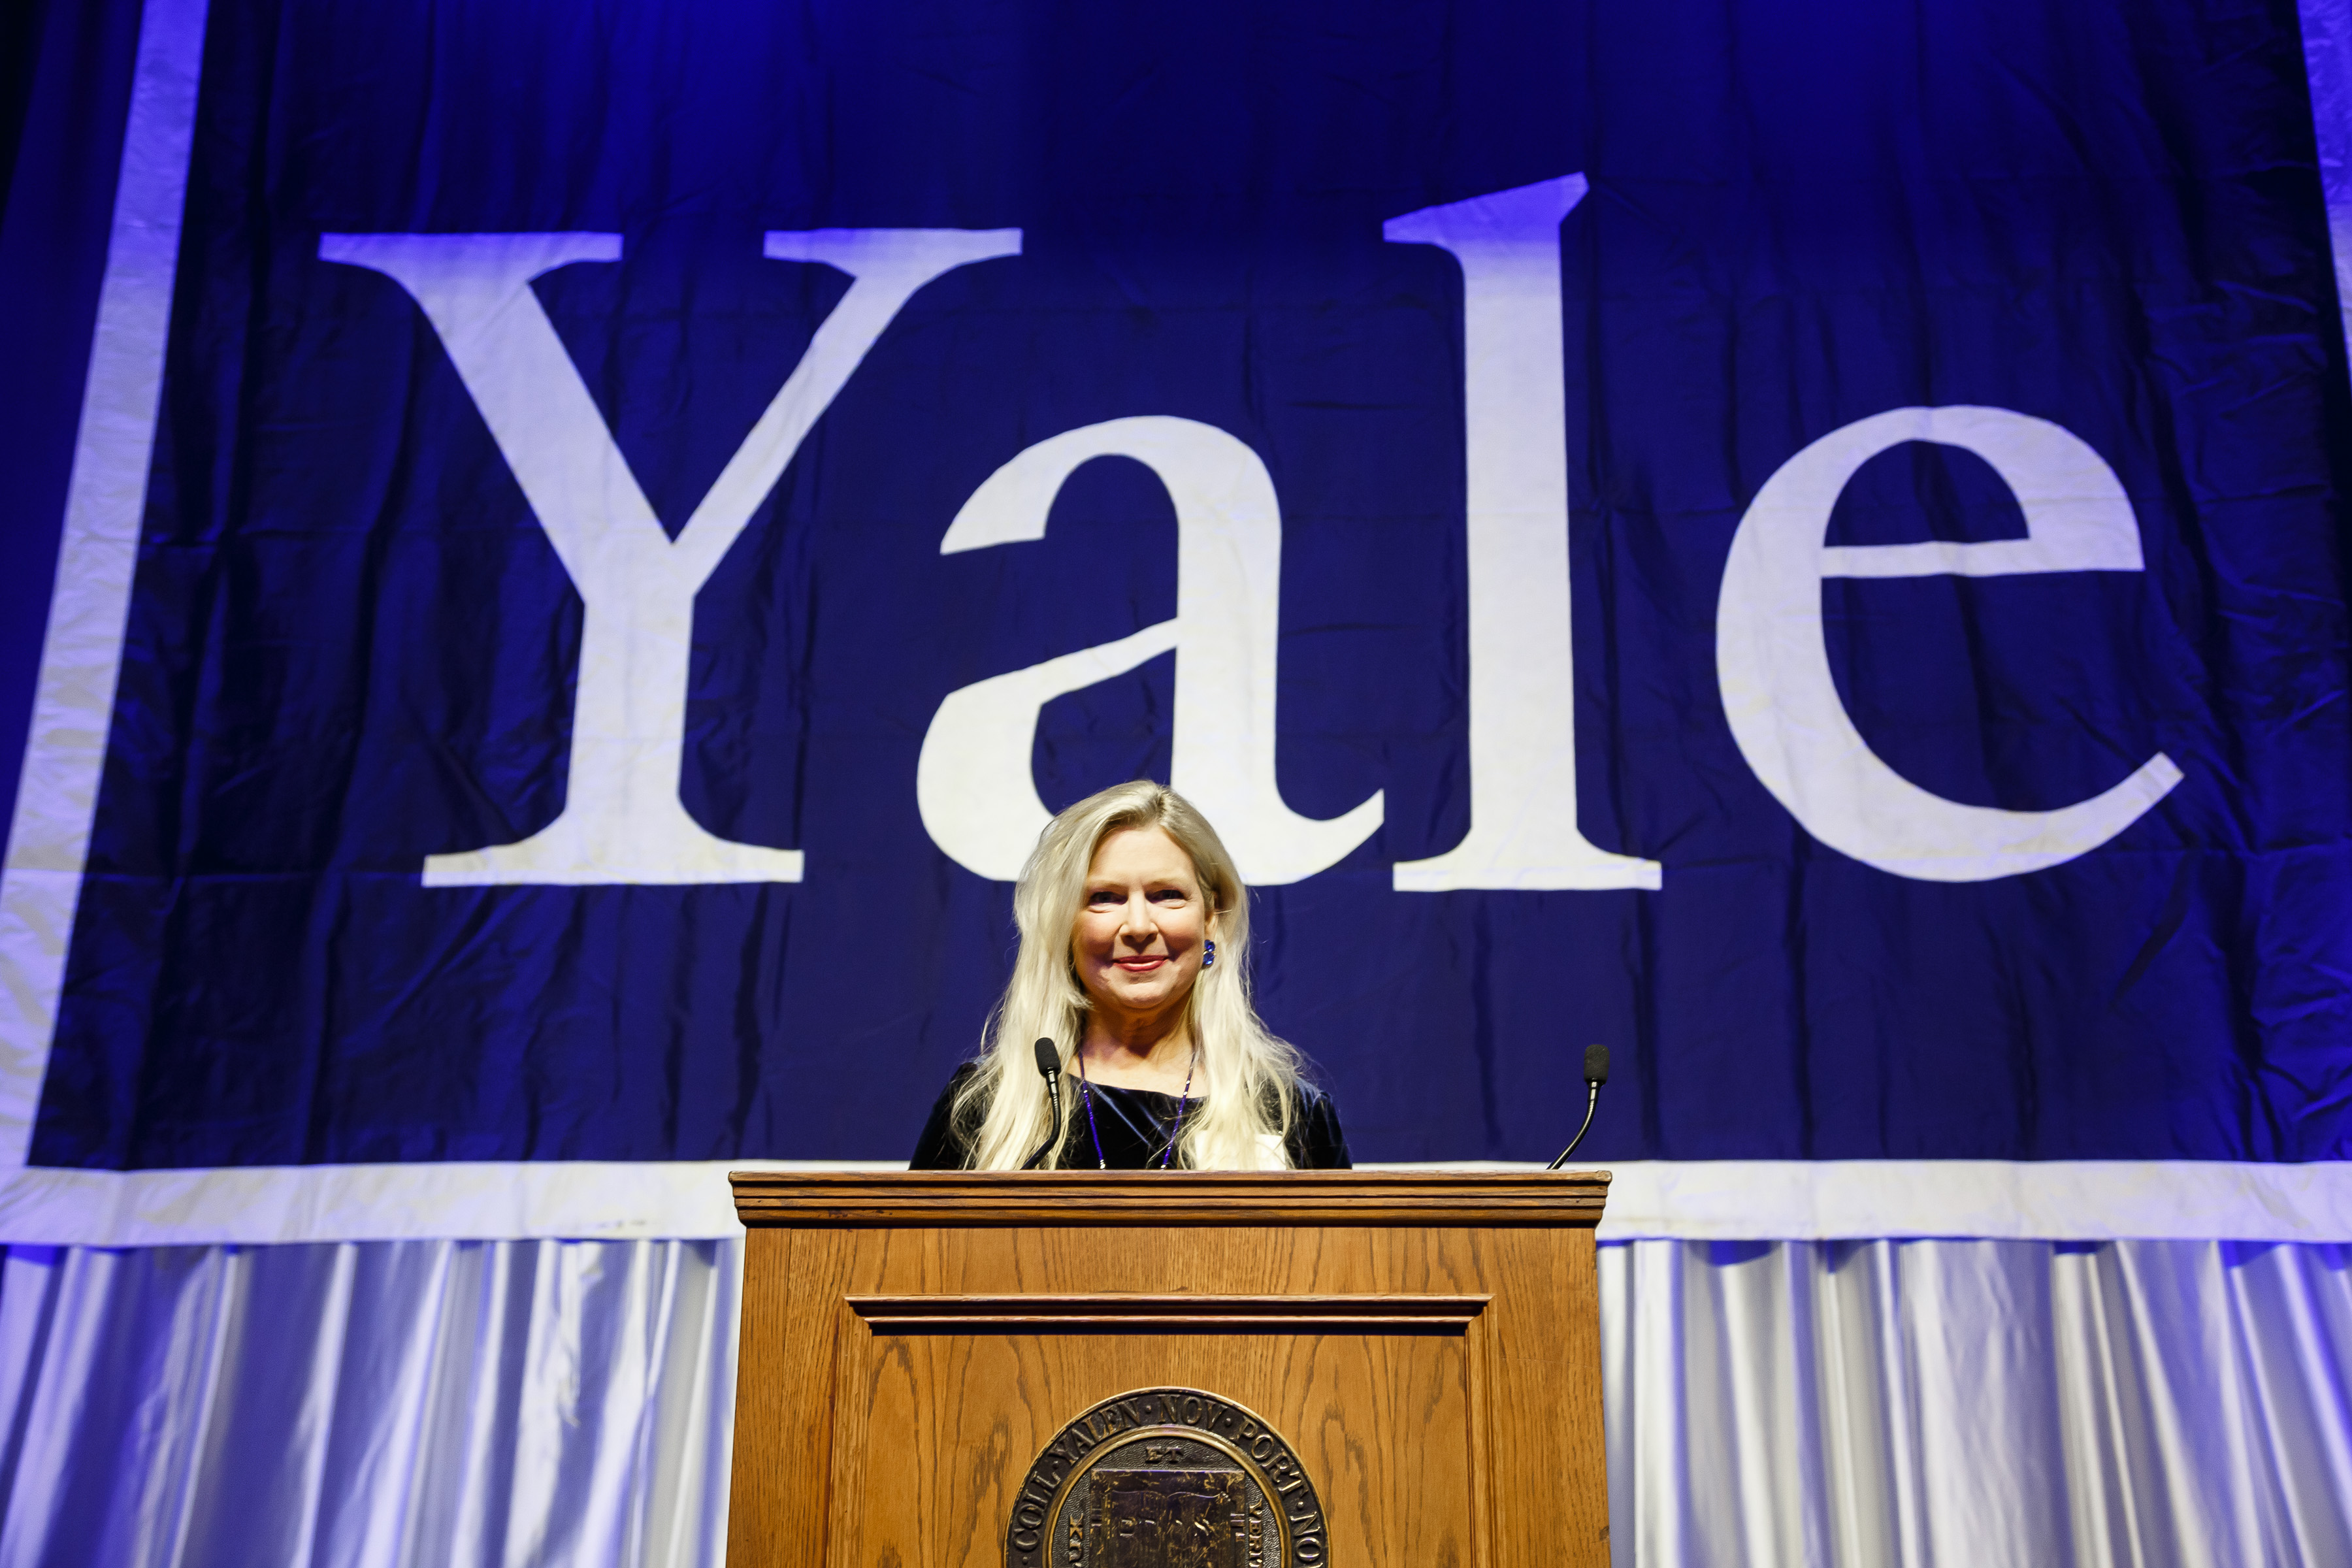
{"points": [[1596, 1065], [1049, 1059]]}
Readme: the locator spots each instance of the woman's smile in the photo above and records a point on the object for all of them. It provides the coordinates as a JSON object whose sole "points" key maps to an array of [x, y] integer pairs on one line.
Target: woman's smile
{"points": [[1141, 931]]}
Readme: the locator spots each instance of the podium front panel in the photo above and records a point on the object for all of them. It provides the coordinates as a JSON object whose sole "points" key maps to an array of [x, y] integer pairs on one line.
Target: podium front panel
{"points": [[913, 1344]]}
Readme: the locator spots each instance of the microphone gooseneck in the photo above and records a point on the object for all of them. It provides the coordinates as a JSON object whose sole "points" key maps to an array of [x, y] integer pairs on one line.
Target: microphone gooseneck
{"points": [[1596, 1073], [1049, 1064]]}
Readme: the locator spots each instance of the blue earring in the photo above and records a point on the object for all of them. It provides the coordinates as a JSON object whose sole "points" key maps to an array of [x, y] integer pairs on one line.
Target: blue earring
{"points": [[1208, 953]]}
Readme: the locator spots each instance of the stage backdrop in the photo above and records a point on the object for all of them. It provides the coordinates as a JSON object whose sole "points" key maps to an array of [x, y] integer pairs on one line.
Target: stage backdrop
{"points": [[1804, 542]]}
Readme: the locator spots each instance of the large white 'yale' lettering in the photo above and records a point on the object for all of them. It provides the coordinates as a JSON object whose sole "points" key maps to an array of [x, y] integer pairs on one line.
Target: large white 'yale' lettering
{"points": [[622, 819], [1523, 821], [1773, 661], [973, 783]]}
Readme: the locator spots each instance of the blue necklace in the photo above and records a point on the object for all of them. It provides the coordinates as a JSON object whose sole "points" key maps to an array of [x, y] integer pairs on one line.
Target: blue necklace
{"points": [[1184, 1103]]}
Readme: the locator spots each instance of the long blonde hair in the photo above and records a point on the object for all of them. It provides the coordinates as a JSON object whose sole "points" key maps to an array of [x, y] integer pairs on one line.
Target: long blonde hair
{"points": [[1252, 1078]]}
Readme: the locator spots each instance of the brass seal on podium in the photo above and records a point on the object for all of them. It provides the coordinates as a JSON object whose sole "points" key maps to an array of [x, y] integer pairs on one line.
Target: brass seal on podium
{"points": [[1166, 1477]]}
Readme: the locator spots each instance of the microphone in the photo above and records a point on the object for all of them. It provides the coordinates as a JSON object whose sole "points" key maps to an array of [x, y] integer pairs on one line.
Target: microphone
{"points": [[1596, 1073], [1049, 1062]]}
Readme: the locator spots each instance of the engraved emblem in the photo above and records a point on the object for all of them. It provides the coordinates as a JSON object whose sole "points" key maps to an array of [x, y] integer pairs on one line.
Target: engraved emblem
{"points": [[1166, 1477]]}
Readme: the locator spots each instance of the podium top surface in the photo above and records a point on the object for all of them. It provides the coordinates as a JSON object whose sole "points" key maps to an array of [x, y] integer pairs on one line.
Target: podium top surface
{"points": [[946, 1199]]}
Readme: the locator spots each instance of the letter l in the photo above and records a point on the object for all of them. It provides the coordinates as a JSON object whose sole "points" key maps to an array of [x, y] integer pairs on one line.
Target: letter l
{"points": [[1523, 822]]}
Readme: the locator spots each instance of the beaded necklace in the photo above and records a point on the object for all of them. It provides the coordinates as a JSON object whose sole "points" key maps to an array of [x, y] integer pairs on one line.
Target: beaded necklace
{"points": [[1184, 1103]]}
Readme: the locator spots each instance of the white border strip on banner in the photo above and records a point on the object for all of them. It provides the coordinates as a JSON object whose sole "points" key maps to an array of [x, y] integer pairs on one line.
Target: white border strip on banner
{"points": [[98, 549], [2327, 67], [1698, 1200]]}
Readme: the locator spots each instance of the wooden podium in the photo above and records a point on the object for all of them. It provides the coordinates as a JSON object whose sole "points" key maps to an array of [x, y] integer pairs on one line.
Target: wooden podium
{"points": [[1169, 1370]]}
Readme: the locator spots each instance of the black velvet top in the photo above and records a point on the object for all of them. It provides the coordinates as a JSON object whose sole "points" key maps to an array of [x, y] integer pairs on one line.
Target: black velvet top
{"points": [[1134, 1125]]}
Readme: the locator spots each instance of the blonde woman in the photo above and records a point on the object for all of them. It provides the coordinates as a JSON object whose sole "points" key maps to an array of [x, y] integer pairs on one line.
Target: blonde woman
{"points": [[1134, 961]]}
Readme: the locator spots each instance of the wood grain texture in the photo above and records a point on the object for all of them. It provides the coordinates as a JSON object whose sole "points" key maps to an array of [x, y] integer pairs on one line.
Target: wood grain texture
{"points": [[899, 1377], [860, 1200], [1130, 1312]]}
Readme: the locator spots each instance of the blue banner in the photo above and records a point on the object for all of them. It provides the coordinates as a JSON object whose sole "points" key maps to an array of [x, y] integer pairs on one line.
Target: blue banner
{"points": [[1803, 542]]}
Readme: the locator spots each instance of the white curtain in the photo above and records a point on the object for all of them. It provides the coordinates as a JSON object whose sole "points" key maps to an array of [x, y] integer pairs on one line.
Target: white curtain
{"points": [[426, 1403], [1980, 1404], [1965, 1403]]}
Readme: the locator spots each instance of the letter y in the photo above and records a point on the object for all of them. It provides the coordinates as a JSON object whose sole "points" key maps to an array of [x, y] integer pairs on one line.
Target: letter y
{"points": [[622, 819]]}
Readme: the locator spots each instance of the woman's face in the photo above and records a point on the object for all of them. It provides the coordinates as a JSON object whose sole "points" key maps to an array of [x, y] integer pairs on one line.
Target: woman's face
{"points": [[1140, 923]]}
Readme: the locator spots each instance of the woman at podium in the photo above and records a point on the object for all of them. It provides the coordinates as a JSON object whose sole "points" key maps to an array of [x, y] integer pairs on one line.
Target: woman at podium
{"points": [[1134, 965]]}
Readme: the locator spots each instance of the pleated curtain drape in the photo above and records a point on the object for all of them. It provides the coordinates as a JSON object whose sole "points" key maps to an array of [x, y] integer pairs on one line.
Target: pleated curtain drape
{"points": [[420, 1403], [445, 1403], [1979, 1403]]}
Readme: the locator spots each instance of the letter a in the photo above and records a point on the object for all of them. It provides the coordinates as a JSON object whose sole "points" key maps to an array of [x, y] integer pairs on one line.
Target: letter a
{"points": [[622, 819], [972, 782]]}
